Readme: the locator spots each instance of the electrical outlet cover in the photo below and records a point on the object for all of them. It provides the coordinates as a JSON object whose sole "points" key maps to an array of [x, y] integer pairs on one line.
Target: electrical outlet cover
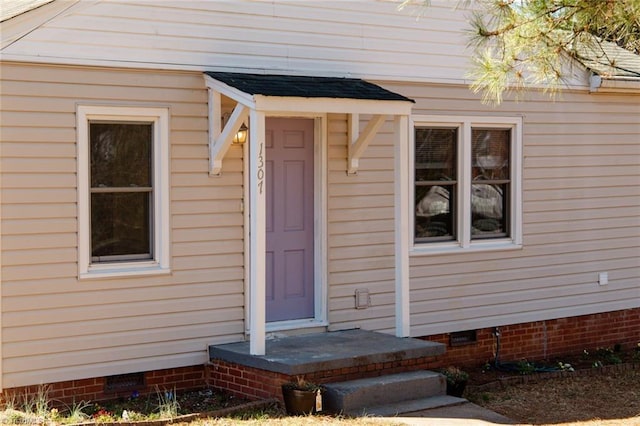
{"points": [[603, 278]]}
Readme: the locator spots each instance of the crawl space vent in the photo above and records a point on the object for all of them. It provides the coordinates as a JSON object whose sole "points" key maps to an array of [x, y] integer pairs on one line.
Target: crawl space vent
{"points": [[123, 382], [461, 338]]}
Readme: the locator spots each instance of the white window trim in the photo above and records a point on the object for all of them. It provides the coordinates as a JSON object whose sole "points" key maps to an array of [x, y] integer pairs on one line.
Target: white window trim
{"points": [[160, 262], [464, 243]]}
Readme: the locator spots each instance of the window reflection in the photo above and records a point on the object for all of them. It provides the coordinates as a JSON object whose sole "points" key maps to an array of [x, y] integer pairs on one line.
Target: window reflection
{"points": [[434, 211], [436, 183], [437, 177], [487, 209], [490, 165]]}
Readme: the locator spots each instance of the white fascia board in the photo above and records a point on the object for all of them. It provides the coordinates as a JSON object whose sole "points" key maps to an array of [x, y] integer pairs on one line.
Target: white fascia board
{"points": [[601, 84], [332, 105], [230, 92]]}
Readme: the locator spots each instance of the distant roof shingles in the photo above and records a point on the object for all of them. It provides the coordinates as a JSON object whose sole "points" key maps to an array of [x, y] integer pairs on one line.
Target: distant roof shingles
{"points": [[608, 60], [305, 86]]}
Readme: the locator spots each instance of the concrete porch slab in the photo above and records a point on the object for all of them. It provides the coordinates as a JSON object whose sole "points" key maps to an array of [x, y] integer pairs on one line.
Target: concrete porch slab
{"points": [[297, 355]]}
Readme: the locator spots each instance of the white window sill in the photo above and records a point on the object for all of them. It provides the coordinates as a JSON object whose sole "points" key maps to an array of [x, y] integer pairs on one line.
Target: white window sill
{"points": [[426, 249], [124, 270]]}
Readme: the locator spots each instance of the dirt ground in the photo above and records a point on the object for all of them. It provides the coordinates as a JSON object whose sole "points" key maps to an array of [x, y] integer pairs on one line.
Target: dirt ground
{"points": [[605, 397], [608, 396]]}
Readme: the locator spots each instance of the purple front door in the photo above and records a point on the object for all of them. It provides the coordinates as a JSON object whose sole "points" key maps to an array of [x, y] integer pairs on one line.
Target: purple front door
{"points": [[290, 219]]}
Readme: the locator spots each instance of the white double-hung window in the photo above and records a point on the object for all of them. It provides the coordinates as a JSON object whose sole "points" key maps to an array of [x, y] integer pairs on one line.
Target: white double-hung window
{"points": [[466, 183], [123, 184]]}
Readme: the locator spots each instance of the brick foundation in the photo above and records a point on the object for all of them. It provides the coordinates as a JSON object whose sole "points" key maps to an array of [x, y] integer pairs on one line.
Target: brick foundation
{"points": [[542, 340], [534, 341], [66, 393]]}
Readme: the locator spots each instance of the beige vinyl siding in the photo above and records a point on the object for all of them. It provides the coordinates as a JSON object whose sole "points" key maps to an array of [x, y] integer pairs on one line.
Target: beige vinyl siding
{"points": [[581, 203], [354, 38], [581, 199], [361, 230], [56, 327], [581, 193]]}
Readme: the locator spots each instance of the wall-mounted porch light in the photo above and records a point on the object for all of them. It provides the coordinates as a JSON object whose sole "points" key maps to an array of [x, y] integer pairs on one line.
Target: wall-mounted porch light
{"points": [[241, 135]]}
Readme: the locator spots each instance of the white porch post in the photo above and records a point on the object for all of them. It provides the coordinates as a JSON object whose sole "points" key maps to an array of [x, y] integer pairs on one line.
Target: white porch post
{"points": [[257, 188], [402, 211]]}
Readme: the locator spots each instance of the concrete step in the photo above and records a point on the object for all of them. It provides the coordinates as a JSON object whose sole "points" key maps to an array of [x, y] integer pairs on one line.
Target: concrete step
{"points": [[312, 353], [406, 407], [364, 394]]}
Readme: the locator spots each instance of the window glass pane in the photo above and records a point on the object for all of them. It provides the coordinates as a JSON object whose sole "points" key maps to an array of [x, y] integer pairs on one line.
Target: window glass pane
{"points": [[490, 153], [489, 210], [435, 212], [120, 154], [120, 224], [435, 177], [435, 154]]}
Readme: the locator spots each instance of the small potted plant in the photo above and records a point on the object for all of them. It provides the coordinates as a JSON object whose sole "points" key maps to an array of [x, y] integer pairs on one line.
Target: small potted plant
{"points": [[456, 380], [300, 396]]}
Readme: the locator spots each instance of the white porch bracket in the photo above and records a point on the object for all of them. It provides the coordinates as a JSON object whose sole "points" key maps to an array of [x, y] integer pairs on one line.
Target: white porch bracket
{"points": [[220, 139], [358, 143]]}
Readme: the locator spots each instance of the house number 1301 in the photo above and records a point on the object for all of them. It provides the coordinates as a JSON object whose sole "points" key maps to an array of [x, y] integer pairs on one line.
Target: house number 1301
{"points": [[261, 168]]}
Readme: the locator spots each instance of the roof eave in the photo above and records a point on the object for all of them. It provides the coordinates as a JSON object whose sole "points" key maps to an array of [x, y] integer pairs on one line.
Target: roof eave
{"points": [[600, 84], [302, 104]]}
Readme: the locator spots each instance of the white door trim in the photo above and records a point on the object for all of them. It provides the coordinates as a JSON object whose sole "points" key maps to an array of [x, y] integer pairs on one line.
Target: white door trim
{"points": [[320, 231]]}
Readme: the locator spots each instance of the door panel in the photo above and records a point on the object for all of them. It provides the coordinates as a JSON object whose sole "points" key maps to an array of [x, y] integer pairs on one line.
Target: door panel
{"points": [[290, 219], [294, 195]]}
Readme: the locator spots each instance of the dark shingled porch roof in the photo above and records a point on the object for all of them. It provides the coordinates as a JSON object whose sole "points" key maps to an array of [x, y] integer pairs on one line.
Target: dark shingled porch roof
{"points": [[306, 86]]}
